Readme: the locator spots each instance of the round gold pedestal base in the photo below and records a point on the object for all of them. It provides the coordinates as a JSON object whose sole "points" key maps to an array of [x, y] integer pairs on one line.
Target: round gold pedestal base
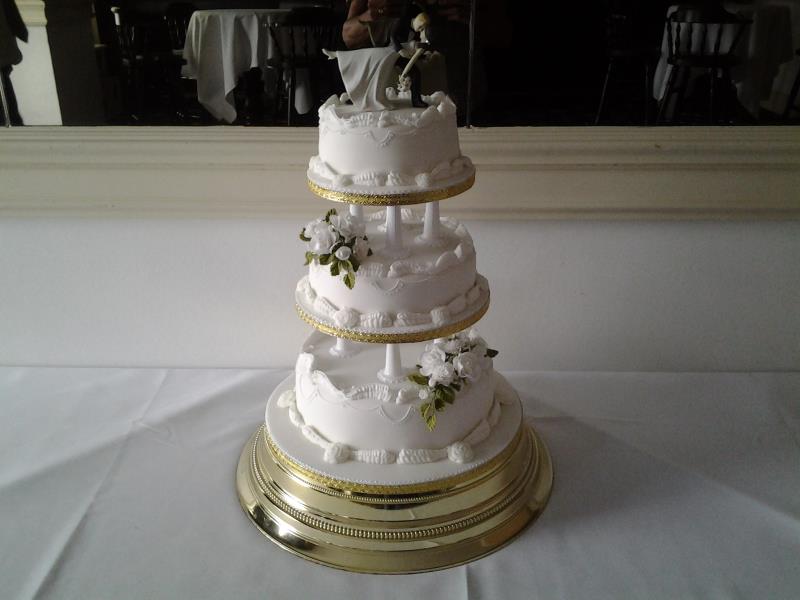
{"points": [[406, 531]]}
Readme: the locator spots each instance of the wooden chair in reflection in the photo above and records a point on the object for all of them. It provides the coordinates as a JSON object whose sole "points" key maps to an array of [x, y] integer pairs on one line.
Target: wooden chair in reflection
{"points": [[183, 90], [299, 37], [630, 46], [701, 40], [150, 50], [791, 101]]}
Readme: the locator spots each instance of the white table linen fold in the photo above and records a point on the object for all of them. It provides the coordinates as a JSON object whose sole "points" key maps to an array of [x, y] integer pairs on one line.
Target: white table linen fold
{"points": [[119, 483], [223, 44]]}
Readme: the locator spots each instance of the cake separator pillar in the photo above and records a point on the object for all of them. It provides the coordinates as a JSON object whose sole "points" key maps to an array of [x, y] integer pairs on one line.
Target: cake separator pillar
{"points": [[394, 233], [431, 231], [392, 371], [357, 211]]}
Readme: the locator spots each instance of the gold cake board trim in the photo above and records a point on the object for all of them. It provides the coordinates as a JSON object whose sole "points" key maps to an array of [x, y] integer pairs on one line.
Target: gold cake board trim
{"points": [[450, 522], [393, 199], [375, 337]]}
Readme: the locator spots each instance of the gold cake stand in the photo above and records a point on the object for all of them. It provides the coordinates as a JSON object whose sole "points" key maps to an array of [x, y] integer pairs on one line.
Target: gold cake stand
{"points": [[394, 529]]}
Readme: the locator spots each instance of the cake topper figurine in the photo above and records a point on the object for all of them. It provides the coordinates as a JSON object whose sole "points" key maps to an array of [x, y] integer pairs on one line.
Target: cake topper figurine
{"points": [[367, 73]]}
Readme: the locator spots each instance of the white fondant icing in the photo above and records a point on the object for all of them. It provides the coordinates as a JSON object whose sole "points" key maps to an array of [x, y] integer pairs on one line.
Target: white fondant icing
{"points": [[432, 285], [337, 452], [286, 399], [460, 452], [420, 456], [389, 151], [340, 401], [440, 315]]}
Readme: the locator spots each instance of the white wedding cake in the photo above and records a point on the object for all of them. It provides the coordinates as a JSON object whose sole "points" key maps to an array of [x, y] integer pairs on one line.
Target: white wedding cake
{"points": [[394, 446], [393, 375]]}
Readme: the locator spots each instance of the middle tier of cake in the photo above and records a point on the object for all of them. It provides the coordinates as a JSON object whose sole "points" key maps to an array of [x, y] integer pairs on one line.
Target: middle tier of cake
{"points": [[431, 290]]}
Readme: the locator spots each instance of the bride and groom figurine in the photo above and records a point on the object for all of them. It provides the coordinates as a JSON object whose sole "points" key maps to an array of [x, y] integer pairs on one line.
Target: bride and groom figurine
{"points": [[367, 73]]}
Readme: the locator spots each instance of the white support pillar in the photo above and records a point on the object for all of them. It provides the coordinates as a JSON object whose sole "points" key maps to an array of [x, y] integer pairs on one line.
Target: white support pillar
{"points": [[432, 228], [343, 348], [430, 231], [394, 233], [393, 371], [357, 211]]}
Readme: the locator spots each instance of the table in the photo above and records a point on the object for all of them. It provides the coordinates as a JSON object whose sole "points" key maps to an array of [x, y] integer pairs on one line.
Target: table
{"points": [[119, 483], [766, 73], [223, 44]]}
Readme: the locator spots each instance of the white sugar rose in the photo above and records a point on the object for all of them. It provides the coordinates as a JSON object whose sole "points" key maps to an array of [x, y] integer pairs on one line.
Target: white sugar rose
{"points": [[424, 393], [316, 227], [468, 365], [361, 248], [443, 373], [473, 337], [343, 253], [348, 225], [452, 346], [430, 359], [322, 237]]}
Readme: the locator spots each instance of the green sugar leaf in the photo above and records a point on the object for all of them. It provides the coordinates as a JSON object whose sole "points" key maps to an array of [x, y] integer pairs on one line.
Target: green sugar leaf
{"points": [[448, 395], [418, 379], [431, 422]]}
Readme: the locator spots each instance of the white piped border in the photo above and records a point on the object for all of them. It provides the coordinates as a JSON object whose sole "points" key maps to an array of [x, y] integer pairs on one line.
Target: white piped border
{"points": [[291, 442]]}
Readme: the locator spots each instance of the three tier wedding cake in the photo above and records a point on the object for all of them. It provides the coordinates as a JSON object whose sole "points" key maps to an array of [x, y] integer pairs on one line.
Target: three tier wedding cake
{"points": [[394, 402]]}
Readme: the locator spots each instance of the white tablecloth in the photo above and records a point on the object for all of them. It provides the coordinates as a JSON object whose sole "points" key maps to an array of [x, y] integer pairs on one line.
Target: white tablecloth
{"points": [[119, 483], [221, 45], [766, 73]]}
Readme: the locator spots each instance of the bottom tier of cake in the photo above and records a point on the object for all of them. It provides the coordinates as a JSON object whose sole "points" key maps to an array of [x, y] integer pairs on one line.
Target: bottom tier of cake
{"points": [[347, 409], [393, 518]]}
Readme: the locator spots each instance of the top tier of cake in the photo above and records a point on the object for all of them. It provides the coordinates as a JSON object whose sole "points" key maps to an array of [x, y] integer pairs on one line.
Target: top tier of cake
{"points": [[405, 155]]}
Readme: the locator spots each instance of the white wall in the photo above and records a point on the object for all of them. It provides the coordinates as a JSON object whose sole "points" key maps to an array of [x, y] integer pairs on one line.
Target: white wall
{"points": [[566, 295], [33, 79]]}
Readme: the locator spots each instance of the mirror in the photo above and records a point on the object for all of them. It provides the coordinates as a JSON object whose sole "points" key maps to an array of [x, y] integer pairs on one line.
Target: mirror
{"points": [[218, 62]]}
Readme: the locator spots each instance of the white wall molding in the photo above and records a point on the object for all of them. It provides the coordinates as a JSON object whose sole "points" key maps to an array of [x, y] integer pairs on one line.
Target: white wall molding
{"points": [[741, 172]]}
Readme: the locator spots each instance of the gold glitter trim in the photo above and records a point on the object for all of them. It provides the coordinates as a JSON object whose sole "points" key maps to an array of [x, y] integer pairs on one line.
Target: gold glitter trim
{"points": [[338, 487], [393, 338], [393, 199]]}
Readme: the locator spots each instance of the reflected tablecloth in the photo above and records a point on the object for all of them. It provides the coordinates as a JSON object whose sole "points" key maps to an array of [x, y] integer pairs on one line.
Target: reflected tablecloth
{"points": [[223, 44], [119, 483]]}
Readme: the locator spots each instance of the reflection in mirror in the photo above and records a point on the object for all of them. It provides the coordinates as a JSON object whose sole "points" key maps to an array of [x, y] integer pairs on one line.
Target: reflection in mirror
{"points": [[509, 62]]}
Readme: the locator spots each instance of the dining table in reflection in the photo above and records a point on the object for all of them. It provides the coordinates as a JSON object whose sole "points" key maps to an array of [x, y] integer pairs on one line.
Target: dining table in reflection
{"points": [[221, 45]]}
